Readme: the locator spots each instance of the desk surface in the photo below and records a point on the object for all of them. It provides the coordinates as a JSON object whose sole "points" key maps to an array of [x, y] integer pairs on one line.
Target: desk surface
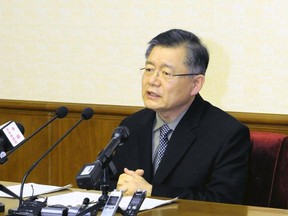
{"points": [[184, 207]]}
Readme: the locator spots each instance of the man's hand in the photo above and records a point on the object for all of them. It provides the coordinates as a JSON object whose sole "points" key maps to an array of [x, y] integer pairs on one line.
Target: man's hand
{"points": [[130, 181]]}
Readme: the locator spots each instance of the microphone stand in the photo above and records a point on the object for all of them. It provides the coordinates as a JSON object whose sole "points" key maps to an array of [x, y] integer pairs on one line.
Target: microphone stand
{"points": [[31, 206], [61, 112], [5, 157], [104, 187], [102, 170], [43, 156]]}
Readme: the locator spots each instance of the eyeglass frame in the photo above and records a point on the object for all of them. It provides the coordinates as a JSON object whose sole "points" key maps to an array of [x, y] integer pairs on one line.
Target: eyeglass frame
{"points": [[170, 74]]}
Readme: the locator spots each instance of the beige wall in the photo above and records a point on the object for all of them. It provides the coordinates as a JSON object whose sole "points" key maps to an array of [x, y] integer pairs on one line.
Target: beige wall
{"points": [[90, 51]]}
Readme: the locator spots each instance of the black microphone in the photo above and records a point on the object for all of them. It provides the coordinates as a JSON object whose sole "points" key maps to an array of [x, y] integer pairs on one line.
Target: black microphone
{"points": [[61, 112], [11, 134], [85, 203], [27, 206], [89, 175]]}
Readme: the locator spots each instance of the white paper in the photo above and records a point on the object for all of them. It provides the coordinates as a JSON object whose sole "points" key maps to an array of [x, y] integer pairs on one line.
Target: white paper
{"points": [[76, 199], [33, 189]]}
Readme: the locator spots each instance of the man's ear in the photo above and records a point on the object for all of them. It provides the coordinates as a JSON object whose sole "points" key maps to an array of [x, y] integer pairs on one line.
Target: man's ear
{"points": [[198, 82]]}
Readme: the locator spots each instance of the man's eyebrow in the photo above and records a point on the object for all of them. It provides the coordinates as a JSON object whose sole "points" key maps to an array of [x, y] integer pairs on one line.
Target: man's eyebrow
{"points": [[165, 65], [168, 66], [149, 62]]}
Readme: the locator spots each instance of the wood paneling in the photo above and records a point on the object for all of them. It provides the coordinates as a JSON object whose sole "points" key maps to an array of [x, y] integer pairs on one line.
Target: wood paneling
{"points": [[85, 142]]}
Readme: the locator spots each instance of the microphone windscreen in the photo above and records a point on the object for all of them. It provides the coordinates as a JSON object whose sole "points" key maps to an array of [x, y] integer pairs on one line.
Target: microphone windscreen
{"points": [[21, 127], [87, 113], [122, 132], [86, 201], [61, 112]]}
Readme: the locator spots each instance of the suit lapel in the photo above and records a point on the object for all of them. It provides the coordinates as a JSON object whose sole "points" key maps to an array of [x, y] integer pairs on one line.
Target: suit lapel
{"points": [[145, 144], [181, 140]]}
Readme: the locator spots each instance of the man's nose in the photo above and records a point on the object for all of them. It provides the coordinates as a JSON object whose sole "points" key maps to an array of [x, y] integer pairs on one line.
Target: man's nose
{"points": [[154, 79]]}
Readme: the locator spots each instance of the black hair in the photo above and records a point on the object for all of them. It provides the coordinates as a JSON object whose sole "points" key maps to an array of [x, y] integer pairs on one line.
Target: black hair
{"points": [[197, 57]]}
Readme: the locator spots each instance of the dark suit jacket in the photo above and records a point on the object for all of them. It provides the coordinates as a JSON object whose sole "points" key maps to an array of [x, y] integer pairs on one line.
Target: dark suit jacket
{"points": [[206, 158]]}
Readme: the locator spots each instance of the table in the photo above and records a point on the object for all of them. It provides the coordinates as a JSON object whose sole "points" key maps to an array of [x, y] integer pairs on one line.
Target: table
{"points": [[183, 207]]}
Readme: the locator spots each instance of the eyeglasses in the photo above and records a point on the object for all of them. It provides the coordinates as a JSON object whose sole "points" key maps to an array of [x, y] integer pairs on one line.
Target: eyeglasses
{"points": [[164, 74]]}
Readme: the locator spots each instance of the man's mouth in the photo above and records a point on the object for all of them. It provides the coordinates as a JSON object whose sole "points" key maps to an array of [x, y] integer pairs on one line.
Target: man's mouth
{"points": [[152, 94]]}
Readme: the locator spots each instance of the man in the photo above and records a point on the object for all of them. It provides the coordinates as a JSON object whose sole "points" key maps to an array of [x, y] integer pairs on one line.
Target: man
{"points": [[206, 157]]}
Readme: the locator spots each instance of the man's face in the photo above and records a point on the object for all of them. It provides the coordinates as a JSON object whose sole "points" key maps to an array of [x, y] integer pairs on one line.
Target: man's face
{"points": [[167, 96]]}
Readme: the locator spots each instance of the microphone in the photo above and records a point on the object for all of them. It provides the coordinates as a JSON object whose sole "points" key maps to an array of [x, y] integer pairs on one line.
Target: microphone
{"points": [[90, 174], [85, 203], [61, 112], [25, 207], [11, 134]]}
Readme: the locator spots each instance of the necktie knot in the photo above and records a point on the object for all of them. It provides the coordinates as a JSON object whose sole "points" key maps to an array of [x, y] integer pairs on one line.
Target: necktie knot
{"points": [[164, 131]]}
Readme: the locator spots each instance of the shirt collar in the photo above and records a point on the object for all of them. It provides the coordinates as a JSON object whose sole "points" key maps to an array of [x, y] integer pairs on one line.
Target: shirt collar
{"points": [[172, 125]]}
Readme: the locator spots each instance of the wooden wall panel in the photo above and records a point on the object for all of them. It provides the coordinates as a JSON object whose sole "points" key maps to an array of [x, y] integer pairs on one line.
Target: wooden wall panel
{"points": [[85, 142], [277, 123]]}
